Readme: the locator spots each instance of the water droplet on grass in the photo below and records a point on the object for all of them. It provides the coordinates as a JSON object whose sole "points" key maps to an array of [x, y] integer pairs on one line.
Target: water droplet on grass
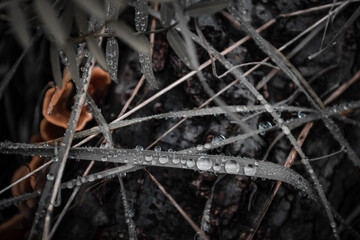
{"points": [[163, 159], [50, 177], [204, 163], [190, 163], [139, 148], [176, 160], [250, 170], [232, 167]]}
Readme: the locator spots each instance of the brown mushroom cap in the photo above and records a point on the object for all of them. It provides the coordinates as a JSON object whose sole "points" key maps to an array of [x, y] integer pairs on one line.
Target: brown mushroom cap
{"points": [[99, 82], [49, 131], [60, 113]]}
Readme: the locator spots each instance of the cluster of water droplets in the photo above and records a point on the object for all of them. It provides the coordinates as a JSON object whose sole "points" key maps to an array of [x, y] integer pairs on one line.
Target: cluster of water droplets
{"points": [[263, 126], [112, 57], [141, 15]]}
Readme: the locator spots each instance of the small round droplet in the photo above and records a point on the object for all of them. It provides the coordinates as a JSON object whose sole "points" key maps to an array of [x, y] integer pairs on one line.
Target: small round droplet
{"points": [[301, 115], [263, 126], [91, 178], [148, 158], [103, 159], [163, 159], [250, 170], [190, 163], [216, 167], [232, 167], [199, 147], [139, 148], [175, 160], [157, 149], [69, 185], [50, 177], [204, 163]]}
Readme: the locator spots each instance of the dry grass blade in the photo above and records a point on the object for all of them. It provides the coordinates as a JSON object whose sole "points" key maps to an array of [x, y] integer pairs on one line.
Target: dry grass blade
{"points": [[96, 52], [55, 65], [52, 186], [27, 176], [295, 75], [191, 161], [100, 120], [141, 15], [348, 24], [112, 58], [19, 24], [177, 206], [166, 14], [292, 155], [70, 62], [145, 60], [205, 8], [52, 23], [178, 44]]}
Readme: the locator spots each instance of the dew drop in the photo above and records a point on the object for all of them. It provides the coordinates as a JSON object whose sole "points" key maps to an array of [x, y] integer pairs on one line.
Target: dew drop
{"points": [[204, 163], [139, 148], [263, 126], [269, 108], [148, 158], [216, 167], [163, 159], [50, 177], [285, 129], [301, 115], [232, 167], [157, 149], [91, 178], [207, 145], [190, 163], [69, 185], [103, 159], [175, 160], [199, 147], [250, 170]]}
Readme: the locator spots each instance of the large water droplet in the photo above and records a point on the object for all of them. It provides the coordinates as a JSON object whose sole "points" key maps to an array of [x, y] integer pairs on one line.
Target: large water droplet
{"points": [[250, 170], [190, 163], [163, 159], [204, 163], [232, 167]]}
